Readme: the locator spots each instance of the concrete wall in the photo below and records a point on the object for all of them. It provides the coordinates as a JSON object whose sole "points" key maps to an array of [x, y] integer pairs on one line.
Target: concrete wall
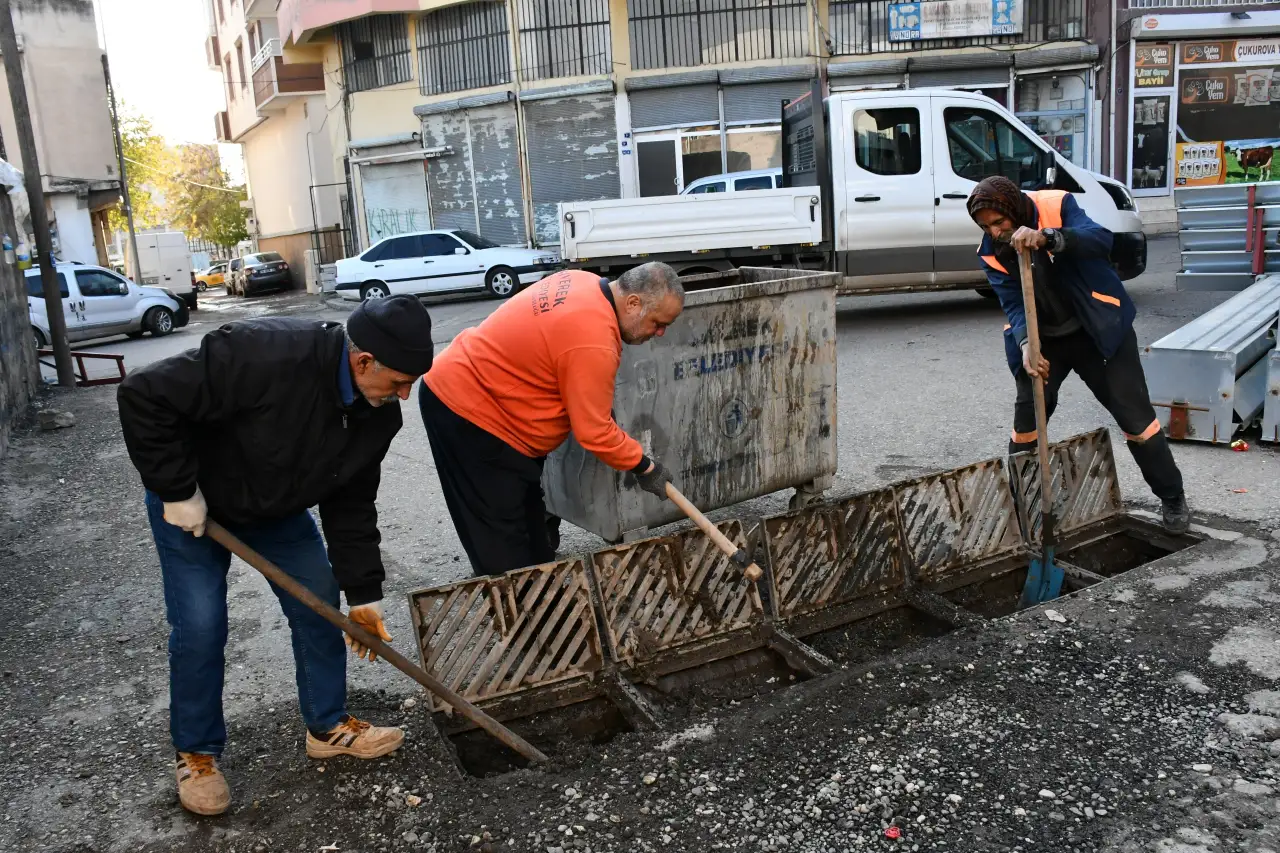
{"points": [[19, 374], [284, 157], [75, 228], [66, 90]]}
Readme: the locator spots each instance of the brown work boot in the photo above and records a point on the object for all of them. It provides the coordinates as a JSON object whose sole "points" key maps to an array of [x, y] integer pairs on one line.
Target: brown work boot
{"points": [[201, 786], [355, 737]]}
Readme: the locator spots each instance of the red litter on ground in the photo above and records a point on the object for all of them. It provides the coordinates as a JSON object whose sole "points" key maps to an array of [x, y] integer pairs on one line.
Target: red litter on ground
{"points": [[1240, 491], [1239, 445], [893, 832]]}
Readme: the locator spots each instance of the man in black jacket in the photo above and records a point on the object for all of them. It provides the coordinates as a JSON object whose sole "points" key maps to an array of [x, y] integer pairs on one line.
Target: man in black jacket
{"points": [[266, 419]]}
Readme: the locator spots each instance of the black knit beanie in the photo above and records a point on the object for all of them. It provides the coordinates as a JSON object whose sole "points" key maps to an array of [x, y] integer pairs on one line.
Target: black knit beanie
{"points": [[396, 331], [1002, 195]]}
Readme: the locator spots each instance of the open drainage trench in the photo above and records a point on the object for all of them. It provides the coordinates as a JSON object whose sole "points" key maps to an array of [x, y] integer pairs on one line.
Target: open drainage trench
{"points": [[1123, 543]]}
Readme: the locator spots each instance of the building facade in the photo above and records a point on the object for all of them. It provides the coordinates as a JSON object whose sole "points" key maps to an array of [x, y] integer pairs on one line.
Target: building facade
{"points": [[276, 112], [485, 114], [71, 119], [1198, 96]]}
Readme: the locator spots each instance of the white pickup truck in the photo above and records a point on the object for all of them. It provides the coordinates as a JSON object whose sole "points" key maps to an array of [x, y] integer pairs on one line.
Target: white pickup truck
{"points": [[874, 186]]}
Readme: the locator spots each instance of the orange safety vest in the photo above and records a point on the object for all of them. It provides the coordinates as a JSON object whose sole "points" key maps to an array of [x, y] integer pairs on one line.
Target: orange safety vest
{"points": [[1049, 207]]}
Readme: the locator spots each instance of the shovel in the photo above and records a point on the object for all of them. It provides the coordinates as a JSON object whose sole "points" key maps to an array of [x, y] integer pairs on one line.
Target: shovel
{"points": [[1044, 578], [276, 575], [745, 564]]}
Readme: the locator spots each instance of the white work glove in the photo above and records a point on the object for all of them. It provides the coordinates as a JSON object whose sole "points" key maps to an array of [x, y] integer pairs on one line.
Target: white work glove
{"points": [[369, 617], [190, 514]]}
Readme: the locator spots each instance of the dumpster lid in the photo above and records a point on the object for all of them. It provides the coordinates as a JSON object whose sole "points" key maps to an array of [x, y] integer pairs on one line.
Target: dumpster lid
{"points": [[752, 282]]}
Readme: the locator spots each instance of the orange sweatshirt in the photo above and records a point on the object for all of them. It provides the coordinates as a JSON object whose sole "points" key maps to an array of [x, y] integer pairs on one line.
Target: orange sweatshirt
{"points": [[541, 365]]}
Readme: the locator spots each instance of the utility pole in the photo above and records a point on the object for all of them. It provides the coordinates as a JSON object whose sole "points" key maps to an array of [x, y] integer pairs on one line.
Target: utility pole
{"points": [[35, 194], [135, 264]]}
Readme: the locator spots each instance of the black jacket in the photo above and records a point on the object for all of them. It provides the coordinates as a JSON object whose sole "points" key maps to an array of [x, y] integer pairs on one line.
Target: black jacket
{"points": [[256, 418]]}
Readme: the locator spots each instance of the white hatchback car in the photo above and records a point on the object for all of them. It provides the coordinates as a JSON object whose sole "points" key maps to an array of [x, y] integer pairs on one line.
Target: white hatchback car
{"points": [[429, 262], [99, 302]]}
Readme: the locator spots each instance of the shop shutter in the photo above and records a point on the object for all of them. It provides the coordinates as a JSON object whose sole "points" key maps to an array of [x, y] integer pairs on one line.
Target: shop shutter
{"points": [[449, 176], [760, 103], [677, 106], [495, 155], [395, 198], [573, 156], [961, 77]]}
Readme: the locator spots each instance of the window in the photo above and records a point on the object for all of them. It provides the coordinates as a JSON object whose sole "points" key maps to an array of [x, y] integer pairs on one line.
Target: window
{"points": [[230, 75], [435, 245], [864, 26], [759, 182], [375, 52], [563, 38], [713, 187], [674, 33], [1054, 106], [476, 241], [244, 78], [777, 181], [35, 285], [983, 144], [222, 14], [397, 248], [700, 156], [464, 47], [754, 148], [98, 283], [236, 264], [887, 142], [263, 258]]}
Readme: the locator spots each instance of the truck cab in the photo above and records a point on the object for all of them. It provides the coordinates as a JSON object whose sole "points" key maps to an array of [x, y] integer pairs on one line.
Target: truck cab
{"points": [[903, 164]]}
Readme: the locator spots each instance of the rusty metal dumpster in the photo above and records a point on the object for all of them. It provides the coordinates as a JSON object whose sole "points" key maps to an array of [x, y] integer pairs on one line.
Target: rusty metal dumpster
{"points": [[737, 399]]}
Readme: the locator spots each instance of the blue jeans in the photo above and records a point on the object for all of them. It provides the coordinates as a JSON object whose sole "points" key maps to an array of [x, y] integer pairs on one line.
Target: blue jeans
{"points": [[195, 597]]}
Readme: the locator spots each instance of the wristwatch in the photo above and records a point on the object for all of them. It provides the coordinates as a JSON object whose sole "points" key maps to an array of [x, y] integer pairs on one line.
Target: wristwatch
{"points": [[1054, 239]]}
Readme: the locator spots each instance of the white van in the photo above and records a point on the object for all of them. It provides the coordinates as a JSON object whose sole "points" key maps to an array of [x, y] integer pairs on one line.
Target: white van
{"points": [[164, 258], [98, 303], [876, 185]]}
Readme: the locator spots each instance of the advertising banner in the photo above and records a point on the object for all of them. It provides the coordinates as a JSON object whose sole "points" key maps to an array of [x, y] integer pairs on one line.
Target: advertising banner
{"points": [[936, 19], [1199, 164], [1213, 52], [1153, 66]]}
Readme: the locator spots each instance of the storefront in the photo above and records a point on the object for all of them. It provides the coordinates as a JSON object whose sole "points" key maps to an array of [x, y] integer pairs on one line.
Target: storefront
{"points": [[1204, 107]]}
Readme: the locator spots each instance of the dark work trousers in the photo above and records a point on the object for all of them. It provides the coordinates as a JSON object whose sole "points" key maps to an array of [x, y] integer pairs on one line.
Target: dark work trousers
{"points": [[1118, 384], [493, 491]]}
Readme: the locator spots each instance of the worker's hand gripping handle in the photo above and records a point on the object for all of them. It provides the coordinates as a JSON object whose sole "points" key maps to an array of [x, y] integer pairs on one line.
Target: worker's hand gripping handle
{"points": [[750, 570]]}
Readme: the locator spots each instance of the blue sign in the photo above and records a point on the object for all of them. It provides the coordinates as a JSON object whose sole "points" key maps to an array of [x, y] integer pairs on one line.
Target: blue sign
{"points": [[937, 19]]}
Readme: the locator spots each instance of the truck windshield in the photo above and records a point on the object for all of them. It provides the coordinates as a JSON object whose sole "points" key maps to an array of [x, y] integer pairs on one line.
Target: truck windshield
{"points": [[982, 144]]}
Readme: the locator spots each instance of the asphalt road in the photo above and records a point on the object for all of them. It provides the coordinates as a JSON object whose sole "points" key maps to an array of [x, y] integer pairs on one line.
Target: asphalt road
{"points": [[922, 386]]}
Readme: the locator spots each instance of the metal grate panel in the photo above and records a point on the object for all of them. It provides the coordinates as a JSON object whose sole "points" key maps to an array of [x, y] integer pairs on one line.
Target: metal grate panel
{"points": [[957, 519], [492, 637], [1086, 488], [670, 591], [834, 554]]}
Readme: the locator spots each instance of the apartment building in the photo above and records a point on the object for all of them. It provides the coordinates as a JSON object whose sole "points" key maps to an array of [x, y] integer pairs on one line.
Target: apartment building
{"points": [[276, 112], [484, 114], [71, 118]]}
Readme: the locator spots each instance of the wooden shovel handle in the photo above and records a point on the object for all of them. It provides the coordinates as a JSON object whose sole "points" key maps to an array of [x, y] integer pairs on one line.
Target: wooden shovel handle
{"points": [[750, 570], [276, 575], [1027, 275]]}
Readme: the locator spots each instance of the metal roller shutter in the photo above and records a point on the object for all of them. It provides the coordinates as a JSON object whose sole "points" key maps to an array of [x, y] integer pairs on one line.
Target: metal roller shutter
{"points": [[395, 198], [760, 103], [960, 77], [449, 176], [495, 160], [573, 156], [682, 105]]}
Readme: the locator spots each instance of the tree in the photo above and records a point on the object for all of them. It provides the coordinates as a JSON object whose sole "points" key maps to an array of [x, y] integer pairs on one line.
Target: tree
{"points": [[147, 161], [201, 200]]}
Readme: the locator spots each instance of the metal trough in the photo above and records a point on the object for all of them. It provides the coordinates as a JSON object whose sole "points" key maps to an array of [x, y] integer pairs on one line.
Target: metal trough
{"points": [[1208, 379], [1228, 235]]}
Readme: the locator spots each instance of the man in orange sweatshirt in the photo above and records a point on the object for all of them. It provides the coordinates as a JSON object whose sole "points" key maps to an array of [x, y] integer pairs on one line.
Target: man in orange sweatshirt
{"points": [[506, 393]]}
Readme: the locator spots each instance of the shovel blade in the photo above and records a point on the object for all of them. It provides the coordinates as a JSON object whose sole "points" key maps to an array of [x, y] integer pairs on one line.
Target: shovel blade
{"points": [[1044, 580]]}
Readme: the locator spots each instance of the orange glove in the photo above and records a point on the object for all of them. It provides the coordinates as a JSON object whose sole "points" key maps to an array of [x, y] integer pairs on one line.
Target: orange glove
{"points": [[369, 617]]}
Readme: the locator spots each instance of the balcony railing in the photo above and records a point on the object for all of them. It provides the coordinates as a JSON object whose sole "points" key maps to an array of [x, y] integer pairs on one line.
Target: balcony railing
{"points": [[222, 126], [270, 48], [1192, 4], [275, 83], [862, 26]]}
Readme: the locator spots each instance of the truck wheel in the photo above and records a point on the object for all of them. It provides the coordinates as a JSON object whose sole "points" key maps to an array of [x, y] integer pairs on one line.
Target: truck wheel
{"points": [[158, 321], [39, 337], [501, 281], [374, 290]]}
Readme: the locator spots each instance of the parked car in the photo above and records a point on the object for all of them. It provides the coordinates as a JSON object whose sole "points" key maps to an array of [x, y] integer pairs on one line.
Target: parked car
{"points": [[98, 302], [258, 273], [214, 276], [736, 182], [441, 261]]}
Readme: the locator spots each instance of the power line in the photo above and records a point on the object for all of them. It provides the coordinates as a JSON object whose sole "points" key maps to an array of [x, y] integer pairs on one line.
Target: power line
{"points": [[185, 180]]}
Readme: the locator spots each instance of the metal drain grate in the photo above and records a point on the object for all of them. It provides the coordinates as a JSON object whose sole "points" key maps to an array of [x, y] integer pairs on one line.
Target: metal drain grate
{"points": [[1085, 486]]}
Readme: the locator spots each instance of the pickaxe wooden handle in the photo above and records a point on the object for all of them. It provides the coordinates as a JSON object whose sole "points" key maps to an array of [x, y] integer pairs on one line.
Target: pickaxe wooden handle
{"points": [[750, 570], [276, 575]]}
